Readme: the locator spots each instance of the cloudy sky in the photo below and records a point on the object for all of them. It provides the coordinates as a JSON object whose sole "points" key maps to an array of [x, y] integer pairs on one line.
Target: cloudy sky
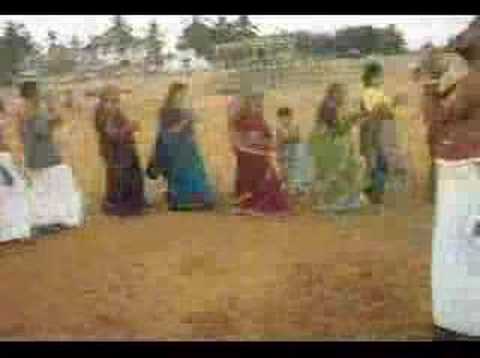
{"points": [[418, 29]]}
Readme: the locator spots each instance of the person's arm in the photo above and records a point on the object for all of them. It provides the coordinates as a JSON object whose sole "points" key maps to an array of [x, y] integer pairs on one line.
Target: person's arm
{"points": [[112, 130], [281, 134], [98, 121], [239, 145], [436, 109], [176, 122], [55, 119], [383, 108], [296, 132], [177, 128], [430, 104]]}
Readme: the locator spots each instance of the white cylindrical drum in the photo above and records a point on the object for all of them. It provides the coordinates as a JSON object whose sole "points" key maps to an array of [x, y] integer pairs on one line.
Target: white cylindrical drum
{"points": [[456, 247]]}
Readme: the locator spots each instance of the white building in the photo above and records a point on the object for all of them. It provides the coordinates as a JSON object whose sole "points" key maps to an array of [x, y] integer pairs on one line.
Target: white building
{"points": [[186, 60], [99, 53]]}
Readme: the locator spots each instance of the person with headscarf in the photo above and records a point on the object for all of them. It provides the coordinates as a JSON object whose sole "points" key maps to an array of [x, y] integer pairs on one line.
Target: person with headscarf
{"points": [[455, 119], [177, 156], [124, 194], [259, 188]]}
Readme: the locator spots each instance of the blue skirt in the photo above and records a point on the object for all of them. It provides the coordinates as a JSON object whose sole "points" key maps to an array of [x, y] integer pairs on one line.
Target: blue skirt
{"points": [[188, 185], [298, 164]]}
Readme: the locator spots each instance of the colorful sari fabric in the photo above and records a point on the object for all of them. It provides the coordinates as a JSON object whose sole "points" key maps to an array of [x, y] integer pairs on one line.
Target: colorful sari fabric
{"points": [[125, 188], [177, 157], [339, 173], [258, 185]]}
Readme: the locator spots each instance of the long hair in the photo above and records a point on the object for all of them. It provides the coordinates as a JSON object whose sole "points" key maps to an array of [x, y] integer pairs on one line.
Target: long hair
{"points": [[247, 104], [104, 94], [334, 88], [371, 71], [29, 90], [332, 91], [173, 91]]}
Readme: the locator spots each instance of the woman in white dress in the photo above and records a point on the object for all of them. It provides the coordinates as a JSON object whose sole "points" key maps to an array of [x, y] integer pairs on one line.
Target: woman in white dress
{"points": [[14, 209], [55, 201]]}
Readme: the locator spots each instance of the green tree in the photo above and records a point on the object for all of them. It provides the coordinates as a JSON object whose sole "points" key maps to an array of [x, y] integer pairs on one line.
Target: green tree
{"points": [[370, 40], [75, 47], [244, 28], [240, 29], [154, 42], [198, 36], [303, 42], [120, 35], [75, 43], [393, 40], [223, 31], [52, 39], [15, 45]]}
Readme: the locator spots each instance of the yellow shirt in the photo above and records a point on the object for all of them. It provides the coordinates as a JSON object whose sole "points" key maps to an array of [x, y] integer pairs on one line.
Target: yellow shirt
{"points": [[373, 97]]}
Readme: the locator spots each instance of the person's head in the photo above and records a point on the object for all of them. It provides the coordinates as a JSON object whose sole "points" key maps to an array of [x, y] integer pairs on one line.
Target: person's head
{"points": [[251, 105], [110, 99], [372, 74], [285, 114], [467, 43], [29, 91], [176, 96], [338, 92]]}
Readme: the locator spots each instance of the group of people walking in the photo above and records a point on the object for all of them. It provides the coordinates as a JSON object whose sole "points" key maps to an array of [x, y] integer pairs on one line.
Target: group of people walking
{"points": [[274, 167], [47, 198], [350, 158]]}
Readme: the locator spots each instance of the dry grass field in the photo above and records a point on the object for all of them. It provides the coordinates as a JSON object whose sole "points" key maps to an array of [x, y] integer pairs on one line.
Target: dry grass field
{"points": [[214, 276]]}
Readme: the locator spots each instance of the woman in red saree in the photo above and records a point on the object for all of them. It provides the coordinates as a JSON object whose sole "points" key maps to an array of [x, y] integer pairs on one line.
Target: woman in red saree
{"points": [[258, 186]]}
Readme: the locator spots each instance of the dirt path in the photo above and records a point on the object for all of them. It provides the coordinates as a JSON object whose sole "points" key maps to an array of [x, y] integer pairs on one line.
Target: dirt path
{"points": [[196, 276]]}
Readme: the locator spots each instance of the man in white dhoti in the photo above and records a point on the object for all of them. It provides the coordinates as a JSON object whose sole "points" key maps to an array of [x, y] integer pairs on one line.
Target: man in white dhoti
{"points": [[14, 209], [455, 125]]}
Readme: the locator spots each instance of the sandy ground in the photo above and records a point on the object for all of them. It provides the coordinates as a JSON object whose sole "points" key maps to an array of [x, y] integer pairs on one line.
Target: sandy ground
{"points": [[195, 276]]}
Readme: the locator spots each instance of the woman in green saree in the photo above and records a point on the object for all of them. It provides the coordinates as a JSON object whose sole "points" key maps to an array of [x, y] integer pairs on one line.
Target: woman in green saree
{"points": [[339, 171]]}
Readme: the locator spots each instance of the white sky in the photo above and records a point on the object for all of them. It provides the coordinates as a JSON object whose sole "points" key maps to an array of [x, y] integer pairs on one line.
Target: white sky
{"points": [[417, 28]]}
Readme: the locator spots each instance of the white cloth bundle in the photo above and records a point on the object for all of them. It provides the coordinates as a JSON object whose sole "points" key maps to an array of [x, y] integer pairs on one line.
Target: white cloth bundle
{"points": [[455, 251], [54, 198], [15, 221]]}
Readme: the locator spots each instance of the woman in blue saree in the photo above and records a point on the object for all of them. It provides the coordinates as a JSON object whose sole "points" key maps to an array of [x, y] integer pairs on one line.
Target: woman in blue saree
{"points": [[177, 156]]}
